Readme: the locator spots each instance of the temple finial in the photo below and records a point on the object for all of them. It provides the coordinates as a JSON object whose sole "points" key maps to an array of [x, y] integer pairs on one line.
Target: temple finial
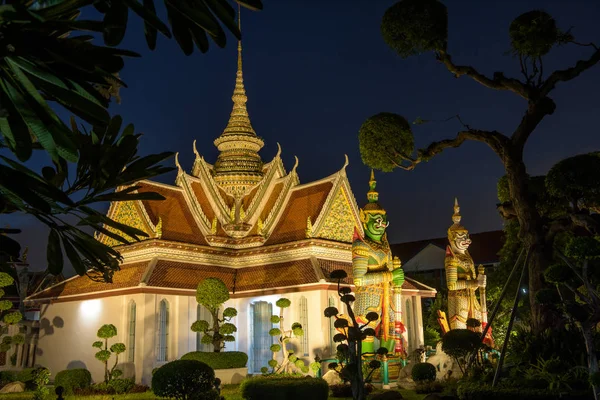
{"points": [[372, 194], [240, 41], [456, 217]]}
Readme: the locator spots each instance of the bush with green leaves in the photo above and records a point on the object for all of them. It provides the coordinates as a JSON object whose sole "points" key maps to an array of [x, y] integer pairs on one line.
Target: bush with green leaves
{"points": [[423, 372], [222, 360], [70, 379], [8, 317], [41, 377], [212, 293], [461, 344], [105, 352], [477, 391], [290, 363], [285, 387], [185, 380]]}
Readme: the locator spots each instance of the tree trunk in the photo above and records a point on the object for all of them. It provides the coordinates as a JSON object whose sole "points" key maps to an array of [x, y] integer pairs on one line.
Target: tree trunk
{"points": [[587, 331], [217, 342], [531, 233]]}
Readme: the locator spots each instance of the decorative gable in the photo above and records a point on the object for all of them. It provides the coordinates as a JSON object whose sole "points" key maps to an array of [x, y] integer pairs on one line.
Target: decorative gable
{"points": [[340, 219], [127, 213]]}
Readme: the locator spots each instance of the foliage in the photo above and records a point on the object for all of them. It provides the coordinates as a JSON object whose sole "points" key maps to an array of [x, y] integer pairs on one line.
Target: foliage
{"points": [[67, 70], [212, 293], [115, 386], [477, 391], [576, 179], [429, 386], [290, 362], [533, 34], [460, 344], [71, 379], [385, 140], [185, 379], [8, 318], [222, 360], [345, 390], [412, 27], [284, 387], [41, 377], [431, 336], [423, 372], [108, 331], [350, 356]]}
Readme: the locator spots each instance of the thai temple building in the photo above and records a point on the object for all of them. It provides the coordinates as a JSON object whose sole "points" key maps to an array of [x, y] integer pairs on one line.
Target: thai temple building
{"points": [[250, 223]]}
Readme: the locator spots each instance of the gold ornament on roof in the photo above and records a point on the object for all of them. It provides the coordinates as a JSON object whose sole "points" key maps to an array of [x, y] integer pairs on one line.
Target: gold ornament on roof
{"points": [[213, 227], [158, 228], [242, 213], [232, 213], [309, 228], [260, 226]]}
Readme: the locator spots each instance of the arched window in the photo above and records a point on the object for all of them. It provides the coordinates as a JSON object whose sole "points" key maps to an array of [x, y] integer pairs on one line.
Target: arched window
{"points": [[303, 304], [131, 327], [261, 353], [332, 331], [203, 314], [162, 344]]}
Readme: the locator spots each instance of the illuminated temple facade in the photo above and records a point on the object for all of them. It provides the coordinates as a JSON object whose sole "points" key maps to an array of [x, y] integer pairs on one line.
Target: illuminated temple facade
{"points": [[252, 224]]}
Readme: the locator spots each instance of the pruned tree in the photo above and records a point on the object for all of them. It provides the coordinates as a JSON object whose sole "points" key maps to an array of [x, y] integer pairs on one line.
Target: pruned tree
{"points": [[108, 331], [350, 354], [8, 317], [412, 27], [290, 363], [212, 293]]}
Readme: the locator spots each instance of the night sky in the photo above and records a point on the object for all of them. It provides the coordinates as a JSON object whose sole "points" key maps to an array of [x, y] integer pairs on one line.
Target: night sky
{"points": [[315, 70]]}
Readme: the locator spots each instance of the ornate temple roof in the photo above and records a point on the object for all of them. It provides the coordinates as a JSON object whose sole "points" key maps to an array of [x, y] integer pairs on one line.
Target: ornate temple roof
{"points": [[249, 223]]}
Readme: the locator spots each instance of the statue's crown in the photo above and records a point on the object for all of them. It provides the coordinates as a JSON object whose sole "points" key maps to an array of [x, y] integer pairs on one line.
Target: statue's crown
{"points": [[373, 197], [456, 217]]}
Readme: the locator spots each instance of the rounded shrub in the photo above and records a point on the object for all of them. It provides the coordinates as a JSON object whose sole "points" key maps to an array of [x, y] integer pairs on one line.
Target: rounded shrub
{"points": [[223, 360], [423, 372], [185, 379], [71, 379], [273, 387]]}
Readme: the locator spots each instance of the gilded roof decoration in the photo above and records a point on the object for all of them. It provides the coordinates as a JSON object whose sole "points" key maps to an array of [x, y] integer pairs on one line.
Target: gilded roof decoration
{"points": [[126, 213], [340, 222]]}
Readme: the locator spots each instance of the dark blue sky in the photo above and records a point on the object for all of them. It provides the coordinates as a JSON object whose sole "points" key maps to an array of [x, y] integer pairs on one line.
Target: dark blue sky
{"points": [[315, 70]]}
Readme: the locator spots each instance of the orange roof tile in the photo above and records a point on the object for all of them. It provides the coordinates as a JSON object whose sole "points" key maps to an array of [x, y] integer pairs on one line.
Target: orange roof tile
{"points": [[249, 197], [130, 275], [271, 201], [179, 275], [178, 224], [203, 201], [303, 203], [284, 274]]}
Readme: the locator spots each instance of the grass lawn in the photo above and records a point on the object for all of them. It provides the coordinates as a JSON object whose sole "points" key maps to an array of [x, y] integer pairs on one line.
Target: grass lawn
{"points": [[231, 392]]}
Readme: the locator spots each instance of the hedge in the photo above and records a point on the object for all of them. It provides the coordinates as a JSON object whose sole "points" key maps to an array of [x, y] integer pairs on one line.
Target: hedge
{"points": [[223, 360], [423, 372], [284, 388], [476, 391], [185, 379], [71, 379]]}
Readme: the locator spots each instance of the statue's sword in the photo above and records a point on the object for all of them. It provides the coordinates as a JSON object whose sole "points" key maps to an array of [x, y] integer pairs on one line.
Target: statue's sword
{"points": [[481, 271]]}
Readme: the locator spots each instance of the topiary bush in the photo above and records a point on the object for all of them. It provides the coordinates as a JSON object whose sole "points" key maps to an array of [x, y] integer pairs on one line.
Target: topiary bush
{"points": [[423, 372], [71, 379], [224, 360], [185, 379], [345, 389], [284, 388]]}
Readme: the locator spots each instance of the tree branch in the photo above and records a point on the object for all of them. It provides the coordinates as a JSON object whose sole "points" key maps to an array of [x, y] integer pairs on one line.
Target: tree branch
{"points": [[536, 111], [499, 82], [494, 139], [569, 73]]}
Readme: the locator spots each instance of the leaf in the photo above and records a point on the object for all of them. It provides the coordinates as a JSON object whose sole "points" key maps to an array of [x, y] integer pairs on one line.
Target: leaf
{"points": [[9, 181], [73, 256], [117, 196], [54, 254], [62, 8], [180, 30], [226, 14], [116, 23], [149, 30], [149, 16]]}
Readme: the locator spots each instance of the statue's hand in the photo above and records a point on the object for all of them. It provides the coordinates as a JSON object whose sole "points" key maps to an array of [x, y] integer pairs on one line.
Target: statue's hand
{"points": [[481, 280], [398, 276]]}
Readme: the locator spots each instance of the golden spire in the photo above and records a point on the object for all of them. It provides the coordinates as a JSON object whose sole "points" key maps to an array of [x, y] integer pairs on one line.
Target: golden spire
{"points": [[238, 167], [456, 217]]}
